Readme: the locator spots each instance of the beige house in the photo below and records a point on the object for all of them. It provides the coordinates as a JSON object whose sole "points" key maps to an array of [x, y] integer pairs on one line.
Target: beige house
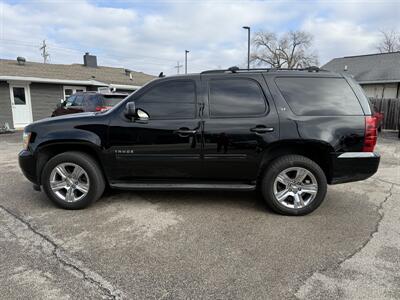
{"points": [[29, 91]]}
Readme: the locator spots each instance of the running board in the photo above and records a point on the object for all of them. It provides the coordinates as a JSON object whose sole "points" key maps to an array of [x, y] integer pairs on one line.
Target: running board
{"points": [[184, 186]]}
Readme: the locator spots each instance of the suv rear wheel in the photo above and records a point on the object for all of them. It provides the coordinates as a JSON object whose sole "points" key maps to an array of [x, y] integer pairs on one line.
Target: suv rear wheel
{"points": [[73, 180], [293, 185]]}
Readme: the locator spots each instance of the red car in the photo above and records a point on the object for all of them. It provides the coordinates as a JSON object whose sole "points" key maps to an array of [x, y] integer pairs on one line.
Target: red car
{"points": [[88, 101]]}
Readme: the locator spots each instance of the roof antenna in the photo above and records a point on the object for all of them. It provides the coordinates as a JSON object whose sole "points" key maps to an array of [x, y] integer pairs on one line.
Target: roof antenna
{"points": [[161, 75]]}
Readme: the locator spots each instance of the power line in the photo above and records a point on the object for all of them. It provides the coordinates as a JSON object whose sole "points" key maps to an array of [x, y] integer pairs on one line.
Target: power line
{"points": [[136, 57], [54, 46], [68, 50]]}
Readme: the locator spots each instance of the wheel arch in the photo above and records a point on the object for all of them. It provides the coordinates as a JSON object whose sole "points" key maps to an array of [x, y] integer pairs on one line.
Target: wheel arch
{"points": [[317, 151], [48, 150]]}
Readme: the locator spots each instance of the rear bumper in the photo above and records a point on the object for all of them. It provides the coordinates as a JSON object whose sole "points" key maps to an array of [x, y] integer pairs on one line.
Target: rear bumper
{"points": [[27, 163], [353, 166]]}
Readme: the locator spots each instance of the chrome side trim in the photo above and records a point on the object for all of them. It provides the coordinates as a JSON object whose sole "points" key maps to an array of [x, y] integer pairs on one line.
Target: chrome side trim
{"points": [[357, 155], [183, 186]]}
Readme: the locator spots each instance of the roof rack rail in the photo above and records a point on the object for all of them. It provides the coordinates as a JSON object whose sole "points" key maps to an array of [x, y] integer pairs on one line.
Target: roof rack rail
{"points": [[309, 69], [237, 70], [233, 69]]}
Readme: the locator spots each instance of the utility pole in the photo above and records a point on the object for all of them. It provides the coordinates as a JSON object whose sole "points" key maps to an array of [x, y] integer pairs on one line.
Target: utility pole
{"points": [[186, 53], [248, 46], [178, 66], [45, 54]]}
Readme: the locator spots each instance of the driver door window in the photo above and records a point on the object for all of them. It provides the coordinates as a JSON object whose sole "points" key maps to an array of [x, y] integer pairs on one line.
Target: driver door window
{"points": [[169, 100]]}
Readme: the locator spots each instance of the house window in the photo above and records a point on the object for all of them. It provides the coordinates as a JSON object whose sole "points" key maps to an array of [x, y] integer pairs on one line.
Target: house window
{"points": [[70, 90], [19, 96]]}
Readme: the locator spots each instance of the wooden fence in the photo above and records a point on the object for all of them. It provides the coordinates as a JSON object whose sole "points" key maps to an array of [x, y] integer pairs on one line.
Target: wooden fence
{"points": [[391, 111]]}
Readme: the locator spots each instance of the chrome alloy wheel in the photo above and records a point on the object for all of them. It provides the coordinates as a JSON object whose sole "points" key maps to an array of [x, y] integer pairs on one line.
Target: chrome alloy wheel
{"points": [[69, 182], [295, 187]]}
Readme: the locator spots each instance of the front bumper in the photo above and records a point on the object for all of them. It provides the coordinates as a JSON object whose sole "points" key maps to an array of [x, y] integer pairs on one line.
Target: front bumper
{"points": [[353, 166], [27, 163]]}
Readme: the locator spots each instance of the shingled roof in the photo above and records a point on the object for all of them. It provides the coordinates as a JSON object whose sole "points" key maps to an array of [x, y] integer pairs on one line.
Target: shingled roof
{"points": [[371, 68], [79, 72]]}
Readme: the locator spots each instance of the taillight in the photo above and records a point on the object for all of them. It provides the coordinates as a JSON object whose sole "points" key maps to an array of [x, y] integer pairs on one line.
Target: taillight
{"points": [[102, 108], [371, 134]]}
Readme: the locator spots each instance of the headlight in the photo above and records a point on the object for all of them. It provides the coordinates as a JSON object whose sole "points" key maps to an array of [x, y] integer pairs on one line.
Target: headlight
{"points": [[26, 137]]}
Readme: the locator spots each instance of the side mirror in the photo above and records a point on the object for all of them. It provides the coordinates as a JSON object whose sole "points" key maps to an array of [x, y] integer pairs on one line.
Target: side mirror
{"points": [[135, 114], [130, 110], [142, 115]]}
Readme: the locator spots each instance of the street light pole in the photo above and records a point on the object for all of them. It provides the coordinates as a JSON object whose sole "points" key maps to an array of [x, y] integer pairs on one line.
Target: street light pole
{"points": [[186, 52], [248, 46]]}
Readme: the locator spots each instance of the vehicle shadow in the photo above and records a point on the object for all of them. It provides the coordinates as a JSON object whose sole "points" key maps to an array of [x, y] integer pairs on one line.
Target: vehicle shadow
{"points": [[197, 199]]}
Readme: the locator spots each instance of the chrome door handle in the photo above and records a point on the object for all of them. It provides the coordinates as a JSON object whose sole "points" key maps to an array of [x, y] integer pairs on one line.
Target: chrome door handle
{"points": [[185, 131], [261, 129]]}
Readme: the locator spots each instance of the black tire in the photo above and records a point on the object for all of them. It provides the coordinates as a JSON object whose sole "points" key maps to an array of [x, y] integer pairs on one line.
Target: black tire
{"points": [[89, 165], [282, 163]]}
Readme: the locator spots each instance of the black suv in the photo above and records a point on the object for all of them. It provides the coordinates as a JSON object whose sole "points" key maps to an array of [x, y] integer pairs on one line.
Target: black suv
{"points": [[286, 133], [88, 101]]}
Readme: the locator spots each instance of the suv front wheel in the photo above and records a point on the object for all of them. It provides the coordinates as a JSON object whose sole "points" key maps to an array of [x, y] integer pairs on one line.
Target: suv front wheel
{"points": [[293, 185], [73, 180]]}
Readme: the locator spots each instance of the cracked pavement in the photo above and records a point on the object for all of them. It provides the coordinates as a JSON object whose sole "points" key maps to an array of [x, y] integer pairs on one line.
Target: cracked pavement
{"points": [[202, 245]]}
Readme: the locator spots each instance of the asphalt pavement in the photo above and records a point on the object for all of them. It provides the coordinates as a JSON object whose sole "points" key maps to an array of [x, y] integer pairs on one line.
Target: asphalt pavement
{"points": [[200, 245]]}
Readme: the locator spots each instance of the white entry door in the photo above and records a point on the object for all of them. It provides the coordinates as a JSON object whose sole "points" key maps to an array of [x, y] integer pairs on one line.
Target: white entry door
{"points": [[70, 90], [21, 105]]}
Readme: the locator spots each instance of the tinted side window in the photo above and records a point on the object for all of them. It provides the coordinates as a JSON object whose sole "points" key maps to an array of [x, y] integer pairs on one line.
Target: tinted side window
{"points": [[70, 100], [78, 101], [169, 100], [319, 96], [90, 102], [236, 97], [88, 98], [112, 100]]}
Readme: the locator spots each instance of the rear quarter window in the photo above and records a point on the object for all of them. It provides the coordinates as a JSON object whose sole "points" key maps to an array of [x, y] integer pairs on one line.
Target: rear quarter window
{"points": [[318, 96]]}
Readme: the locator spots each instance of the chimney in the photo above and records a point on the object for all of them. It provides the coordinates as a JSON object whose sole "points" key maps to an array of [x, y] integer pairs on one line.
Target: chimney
{"points": [[128, 73], [21, 60], [345, 68], [90, 60]]}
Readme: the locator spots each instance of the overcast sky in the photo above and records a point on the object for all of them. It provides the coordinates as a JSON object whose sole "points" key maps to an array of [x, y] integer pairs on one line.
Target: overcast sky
{"points": [[151, 36]]}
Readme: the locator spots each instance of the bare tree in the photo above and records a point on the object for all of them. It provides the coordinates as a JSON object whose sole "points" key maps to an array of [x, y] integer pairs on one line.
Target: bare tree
{"points": [[291, 50], [390, 41]]}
